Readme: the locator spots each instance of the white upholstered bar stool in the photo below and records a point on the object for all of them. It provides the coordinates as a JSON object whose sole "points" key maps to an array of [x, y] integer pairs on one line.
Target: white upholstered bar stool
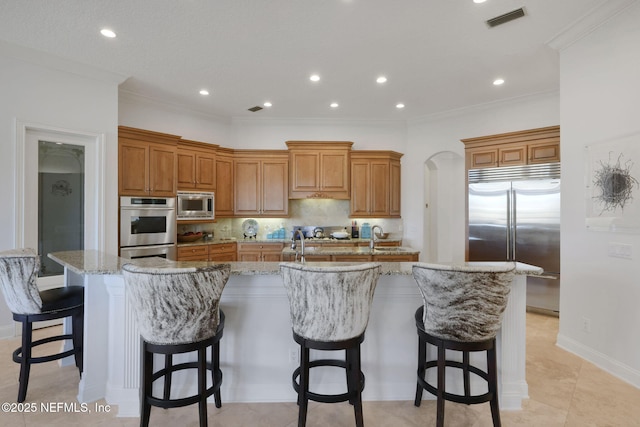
{"points": [[463, 307], [178, 311], [18, 273], [330, 309]]}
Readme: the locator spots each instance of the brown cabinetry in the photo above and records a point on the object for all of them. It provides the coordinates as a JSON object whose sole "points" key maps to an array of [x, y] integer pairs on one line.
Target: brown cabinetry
{"points": [[375, 184], [319, 169], [261, 183], [260, 252], [193, 253], [223, 252], [196, 166], [146, 163], [224, 183], [513, 149]]}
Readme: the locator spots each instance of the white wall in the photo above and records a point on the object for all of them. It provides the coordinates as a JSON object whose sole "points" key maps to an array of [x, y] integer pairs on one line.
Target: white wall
{"points": [[442, 133], [34, 93], [600, 100]]}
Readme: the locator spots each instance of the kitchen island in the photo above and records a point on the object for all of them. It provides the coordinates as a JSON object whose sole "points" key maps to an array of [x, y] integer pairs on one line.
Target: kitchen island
{"points": [[257, 352]]}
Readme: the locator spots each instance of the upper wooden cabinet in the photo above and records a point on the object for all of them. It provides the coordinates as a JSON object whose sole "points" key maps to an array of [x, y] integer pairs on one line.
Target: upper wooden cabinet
{"points": [[319, 169], [196, 166], [261, 183], [146, 163], [375, 184], [526, 147], [224, 183]]}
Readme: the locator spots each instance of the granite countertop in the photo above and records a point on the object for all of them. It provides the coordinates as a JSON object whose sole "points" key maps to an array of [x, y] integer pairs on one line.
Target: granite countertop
{"points": [[318, 242], [94, 262], [350, 250]]}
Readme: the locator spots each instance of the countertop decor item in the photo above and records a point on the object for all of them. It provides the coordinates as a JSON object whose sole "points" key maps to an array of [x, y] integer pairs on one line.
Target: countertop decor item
{"points": [[250, 228], [190, 236], [382, 235], [340, 234]]}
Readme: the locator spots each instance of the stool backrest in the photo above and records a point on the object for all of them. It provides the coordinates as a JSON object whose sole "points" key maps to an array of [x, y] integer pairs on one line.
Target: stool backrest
{"points": [[176, 305], [18, 273], [330, 303], [463, 303]]}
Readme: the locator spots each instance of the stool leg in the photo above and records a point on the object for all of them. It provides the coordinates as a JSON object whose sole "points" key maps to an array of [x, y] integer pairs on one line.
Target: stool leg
{"points": [[147, 375], [77, 324], [215, 355], [168, 363], [303, 400], [493, 385], [465, 373], [25, 362], [441, 385], [355, 369], [422, 358], [202, 385]]}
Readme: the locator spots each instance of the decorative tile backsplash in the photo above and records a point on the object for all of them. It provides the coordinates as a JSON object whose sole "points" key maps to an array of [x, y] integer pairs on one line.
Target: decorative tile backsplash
{"points": [[319, 212]]}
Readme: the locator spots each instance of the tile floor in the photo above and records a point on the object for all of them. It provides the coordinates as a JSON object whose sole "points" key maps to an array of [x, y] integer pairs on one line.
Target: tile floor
{"points": [[564, 391]]}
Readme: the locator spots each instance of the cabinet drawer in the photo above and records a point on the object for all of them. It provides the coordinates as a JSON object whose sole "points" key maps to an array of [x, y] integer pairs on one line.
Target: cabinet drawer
{"points": [[260, 247], [351, 258], [222, 248], [193, 253]]}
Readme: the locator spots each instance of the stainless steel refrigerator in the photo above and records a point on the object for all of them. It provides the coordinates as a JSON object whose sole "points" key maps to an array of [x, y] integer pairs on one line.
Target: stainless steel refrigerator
{"points": [[514, 215]]}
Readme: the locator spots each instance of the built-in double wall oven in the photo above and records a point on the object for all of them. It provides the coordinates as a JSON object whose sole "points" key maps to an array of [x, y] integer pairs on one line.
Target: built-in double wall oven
{"points": [[147, 227]]}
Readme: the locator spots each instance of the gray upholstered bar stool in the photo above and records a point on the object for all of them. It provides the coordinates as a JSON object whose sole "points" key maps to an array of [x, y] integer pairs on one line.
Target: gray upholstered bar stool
{"points": [[18, 273], [178, 311], [330, 311], [463, 307]]}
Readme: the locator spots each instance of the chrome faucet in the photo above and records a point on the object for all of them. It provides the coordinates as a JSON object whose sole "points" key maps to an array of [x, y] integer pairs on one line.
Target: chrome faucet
{"points": [[372, 243], [293, 244]]}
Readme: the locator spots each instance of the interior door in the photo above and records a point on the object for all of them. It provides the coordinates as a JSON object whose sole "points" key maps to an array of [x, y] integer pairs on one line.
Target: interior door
{"points": [[489, 221]]}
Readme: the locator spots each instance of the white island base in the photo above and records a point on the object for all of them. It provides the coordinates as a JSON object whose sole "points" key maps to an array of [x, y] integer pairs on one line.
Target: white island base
{"points": [[257, 351]]}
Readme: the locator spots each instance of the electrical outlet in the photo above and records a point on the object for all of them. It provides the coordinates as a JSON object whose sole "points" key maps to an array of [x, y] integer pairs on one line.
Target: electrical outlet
{"points": [[293, 355], [586, 325]]}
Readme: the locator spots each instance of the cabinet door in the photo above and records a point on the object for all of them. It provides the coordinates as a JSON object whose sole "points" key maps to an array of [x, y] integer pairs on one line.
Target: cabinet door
{"points": [[305, 172], [379, 188], [334, 173], [547, 152], [205, 175], [351, 258], [249, 256], [186, 175], [133, 168], [224, 187], [275, 188], [360, 193], [512, 156], [394, 191], [247, 187], [223, 257], [162, 170], [484, 158], [272, 256]]}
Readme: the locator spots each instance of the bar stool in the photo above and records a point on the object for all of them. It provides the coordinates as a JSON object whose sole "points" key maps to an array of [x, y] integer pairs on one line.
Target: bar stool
{"points": [[329, 311], [463, 307], [18, 273], [177, 311]]}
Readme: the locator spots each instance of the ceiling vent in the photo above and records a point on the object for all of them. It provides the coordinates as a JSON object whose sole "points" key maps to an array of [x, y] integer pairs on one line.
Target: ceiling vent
{"points": [[256, 108], [503, 19]]}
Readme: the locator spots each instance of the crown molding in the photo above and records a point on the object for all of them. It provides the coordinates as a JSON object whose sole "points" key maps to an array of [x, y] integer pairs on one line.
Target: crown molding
{"points": [[126, 95], [55, 62], [589, 22]]}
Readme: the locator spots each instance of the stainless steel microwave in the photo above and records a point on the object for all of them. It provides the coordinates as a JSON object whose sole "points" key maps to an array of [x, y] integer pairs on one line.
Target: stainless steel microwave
{"points": [[195, 205]]}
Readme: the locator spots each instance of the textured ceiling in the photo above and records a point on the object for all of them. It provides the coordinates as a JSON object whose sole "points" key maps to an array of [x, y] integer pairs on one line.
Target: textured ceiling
{"points": [[438, 55]]}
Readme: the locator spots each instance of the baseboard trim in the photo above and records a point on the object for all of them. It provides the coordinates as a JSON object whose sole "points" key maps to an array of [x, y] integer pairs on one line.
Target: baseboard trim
{"points": [[602, 361]]}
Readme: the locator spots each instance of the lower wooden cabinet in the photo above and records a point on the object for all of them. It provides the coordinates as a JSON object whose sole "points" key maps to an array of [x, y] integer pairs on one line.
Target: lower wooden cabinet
{"points": [[260, 252], [193, 253], [220, 252], [223, 252]]}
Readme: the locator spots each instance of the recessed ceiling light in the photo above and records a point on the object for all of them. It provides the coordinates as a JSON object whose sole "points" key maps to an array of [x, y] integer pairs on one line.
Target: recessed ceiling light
{"points": [[314, 77], [107, 33], [267, 104], [400, 105], [479, 1], [498, 82], [334, 105], [204, 92], [381, 79]]}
